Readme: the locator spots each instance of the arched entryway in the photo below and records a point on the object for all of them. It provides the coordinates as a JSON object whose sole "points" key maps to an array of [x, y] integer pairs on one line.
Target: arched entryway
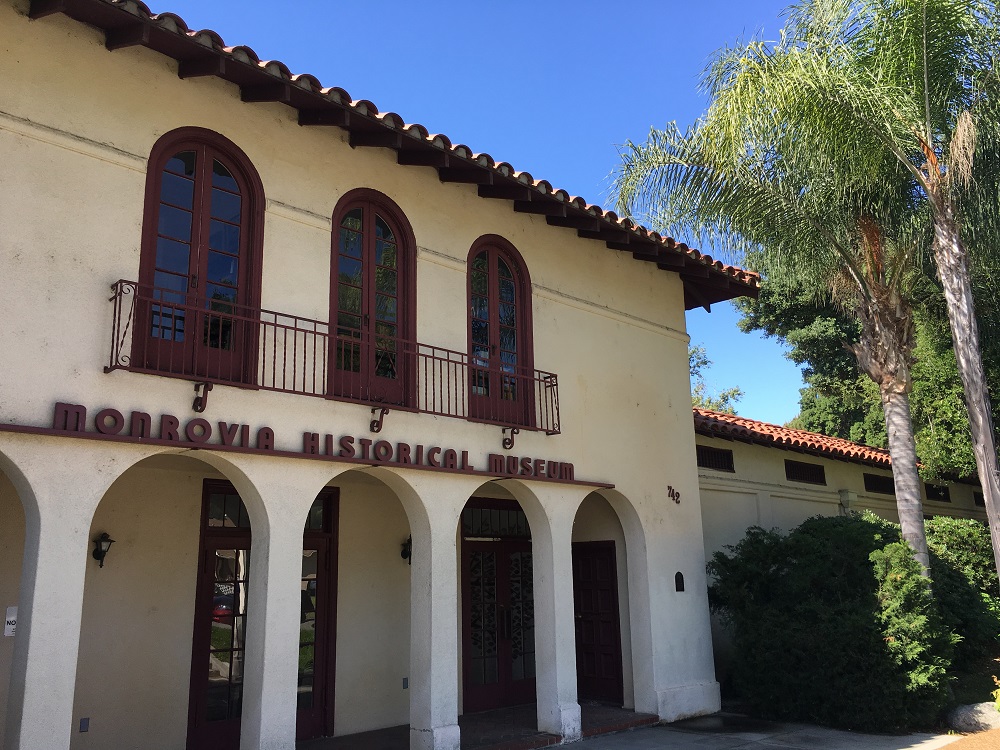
{"points": [[497, 602], [373, 607], [12, 528], [601, 605]]}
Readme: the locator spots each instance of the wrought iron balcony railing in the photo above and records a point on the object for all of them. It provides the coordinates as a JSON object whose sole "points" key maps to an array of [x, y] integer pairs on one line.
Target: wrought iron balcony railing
{"points": [[163, 332]]}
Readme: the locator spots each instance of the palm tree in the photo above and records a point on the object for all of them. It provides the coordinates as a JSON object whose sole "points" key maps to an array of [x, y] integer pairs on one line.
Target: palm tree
{"points": [[869, 131]]}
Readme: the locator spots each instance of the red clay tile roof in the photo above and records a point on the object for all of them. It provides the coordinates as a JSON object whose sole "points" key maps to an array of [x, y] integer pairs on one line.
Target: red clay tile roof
{"points": [[199, 53], [729, 426]]}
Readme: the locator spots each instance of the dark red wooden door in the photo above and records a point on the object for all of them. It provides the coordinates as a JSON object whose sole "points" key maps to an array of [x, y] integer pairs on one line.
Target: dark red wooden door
{"points": [[195, 269], [499, 624], [219, 637], [318, 619], [368, 358], [500, 387], [598, 637]]}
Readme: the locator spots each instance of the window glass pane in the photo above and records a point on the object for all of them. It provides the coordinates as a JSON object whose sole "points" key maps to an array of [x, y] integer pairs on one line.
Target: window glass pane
{"points": [[385, 331], [347, 323], [508, 339], [314, 521], [507, 314], [226, 237], [350, 243], [225, 206], [177, 190], [385, 254], [216, 509], [480, 307], [182, 163], [220, 298], [172, 256], [353, 219], [480, 263], [223, 268], [175, 223], [349, 298], [481, 333], [503, 269], [385, 281], [506, 290], [385, 308], [223, 178], [480, 283], [349, 270], [172, 282], [382, 231]]}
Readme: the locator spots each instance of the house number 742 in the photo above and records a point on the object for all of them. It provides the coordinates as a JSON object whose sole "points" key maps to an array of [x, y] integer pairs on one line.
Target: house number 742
{"points": [[673, 494]]}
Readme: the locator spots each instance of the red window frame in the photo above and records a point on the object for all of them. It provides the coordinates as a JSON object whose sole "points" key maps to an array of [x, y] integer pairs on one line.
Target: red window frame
{"points": [[237, 363], [365, 384], [498, 405]]}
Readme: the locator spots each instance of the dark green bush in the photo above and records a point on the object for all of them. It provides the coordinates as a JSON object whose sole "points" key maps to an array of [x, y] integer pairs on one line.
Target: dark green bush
{"points": [[833, 624]]}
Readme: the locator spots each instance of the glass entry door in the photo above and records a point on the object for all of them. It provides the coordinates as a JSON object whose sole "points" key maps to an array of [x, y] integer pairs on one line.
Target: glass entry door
{"points": [[220, 627], [498, 614]]}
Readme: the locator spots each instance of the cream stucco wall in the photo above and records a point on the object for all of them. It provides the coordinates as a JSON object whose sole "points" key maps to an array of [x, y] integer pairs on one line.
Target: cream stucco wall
{"points": [[75, 139], [373, 606], [138, 610], [759, 494]]}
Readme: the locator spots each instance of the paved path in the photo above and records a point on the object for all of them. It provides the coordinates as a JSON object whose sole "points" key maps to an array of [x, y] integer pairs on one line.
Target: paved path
{"points": [[727, 732]]}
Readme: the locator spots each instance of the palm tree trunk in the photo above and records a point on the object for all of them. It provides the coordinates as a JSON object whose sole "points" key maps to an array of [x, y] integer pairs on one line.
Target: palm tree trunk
{"points": [[884, 352], [949, 254], [902, 449]]}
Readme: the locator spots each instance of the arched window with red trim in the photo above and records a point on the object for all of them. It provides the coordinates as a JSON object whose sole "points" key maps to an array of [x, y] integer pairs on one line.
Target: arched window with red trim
{"points": [[501, 363], [199, 273], [372, 300]]}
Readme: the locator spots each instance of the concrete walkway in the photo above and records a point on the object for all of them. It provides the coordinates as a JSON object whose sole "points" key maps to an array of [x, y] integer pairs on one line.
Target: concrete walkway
{"points": [[728, 731]]}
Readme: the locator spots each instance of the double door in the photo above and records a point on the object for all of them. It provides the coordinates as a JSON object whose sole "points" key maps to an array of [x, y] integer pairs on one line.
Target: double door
{"points": [[369, 360], [195, 270], [499, 624]]}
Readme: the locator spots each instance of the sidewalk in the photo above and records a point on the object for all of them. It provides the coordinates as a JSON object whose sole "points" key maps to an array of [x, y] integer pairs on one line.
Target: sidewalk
{"points": [[727, 731]]}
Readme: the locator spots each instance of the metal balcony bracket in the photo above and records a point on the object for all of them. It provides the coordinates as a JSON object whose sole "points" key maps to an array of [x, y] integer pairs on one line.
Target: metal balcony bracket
{"points": [[201, 396], [376, 423], [508, 442]]}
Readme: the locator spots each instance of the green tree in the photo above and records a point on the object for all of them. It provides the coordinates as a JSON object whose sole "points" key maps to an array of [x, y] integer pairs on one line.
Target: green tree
{"points": [[745, 179], [701, 395]]}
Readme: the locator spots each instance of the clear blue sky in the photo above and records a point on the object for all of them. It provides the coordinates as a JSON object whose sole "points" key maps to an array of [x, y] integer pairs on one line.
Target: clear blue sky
{"points": [[551, 86]]}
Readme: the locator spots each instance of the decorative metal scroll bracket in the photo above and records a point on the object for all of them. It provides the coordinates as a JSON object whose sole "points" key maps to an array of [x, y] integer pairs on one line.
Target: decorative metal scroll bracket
{"points": [[508, 442], [376, 423], [201, 396]]}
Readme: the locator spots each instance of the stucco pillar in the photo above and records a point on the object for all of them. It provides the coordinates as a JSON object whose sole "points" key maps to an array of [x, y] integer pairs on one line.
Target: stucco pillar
{"points": [[555, 630], [433, 505], [278, 498], [60, 484]]}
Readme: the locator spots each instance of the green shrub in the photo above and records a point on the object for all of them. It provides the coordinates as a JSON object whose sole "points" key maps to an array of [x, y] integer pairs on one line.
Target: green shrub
{"points": [[833, 624]]}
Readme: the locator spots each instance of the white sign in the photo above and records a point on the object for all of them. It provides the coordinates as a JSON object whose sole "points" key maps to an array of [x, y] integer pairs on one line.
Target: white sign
{"points": [[10, 624]]}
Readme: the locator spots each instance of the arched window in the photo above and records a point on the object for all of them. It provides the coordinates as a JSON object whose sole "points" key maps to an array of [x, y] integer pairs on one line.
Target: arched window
{"points": [[199, 273], [500, 348], [372, 300]]}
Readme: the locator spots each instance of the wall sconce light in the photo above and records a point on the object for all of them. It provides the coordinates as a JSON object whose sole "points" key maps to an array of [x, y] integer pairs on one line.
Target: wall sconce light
{"points": [[407, 550], [101, 546]]}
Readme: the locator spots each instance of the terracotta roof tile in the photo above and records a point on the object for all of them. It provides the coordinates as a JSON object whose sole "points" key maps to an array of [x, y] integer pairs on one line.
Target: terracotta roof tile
{"points": [[732, 427], [104, 13]]}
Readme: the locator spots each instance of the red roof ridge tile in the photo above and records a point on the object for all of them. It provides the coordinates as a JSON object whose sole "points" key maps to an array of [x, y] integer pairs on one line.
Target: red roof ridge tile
{"points": [[732, 426]]}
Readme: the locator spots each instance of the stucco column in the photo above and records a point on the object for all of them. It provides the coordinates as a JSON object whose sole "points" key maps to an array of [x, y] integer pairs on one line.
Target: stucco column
{"points": [[433, 505], [278, 495], [60, 484], [555, 630]]}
